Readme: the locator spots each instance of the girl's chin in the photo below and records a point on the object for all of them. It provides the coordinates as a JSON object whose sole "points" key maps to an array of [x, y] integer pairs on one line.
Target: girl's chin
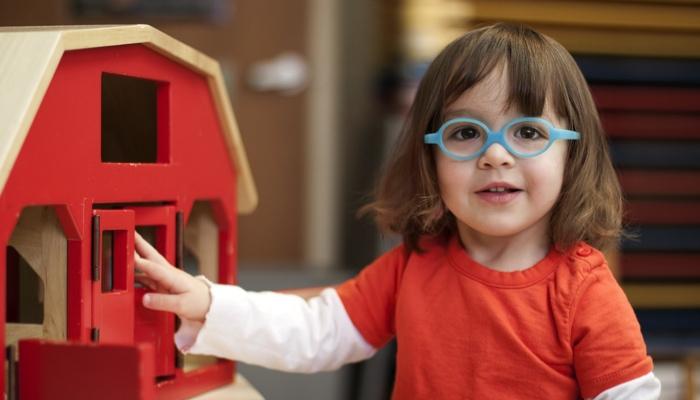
{"points": [[494, 230], [500, 227]]}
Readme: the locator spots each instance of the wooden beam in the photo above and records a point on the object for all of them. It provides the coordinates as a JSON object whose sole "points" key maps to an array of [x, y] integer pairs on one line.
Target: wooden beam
{"points": [[39, 239]]}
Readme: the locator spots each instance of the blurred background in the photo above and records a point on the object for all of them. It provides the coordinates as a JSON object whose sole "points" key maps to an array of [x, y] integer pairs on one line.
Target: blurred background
{"points": [[320, 88]]}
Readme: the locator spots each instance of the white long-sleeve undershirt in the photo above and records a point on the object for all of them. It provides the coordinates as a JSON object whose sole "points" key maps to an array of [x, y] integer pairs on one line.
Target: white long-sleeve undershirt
{"points": [[276, 330]]}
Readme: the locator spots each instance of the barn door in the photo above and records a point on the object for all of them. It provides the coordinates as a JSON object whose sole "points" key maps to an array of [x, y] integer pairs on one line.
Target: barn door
{"points": [[112, 276], [158, 225]]}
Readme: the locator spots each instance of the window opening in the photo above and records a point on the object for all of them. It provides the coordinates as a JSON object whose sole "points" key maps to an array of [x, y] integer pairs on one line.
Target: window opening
{"points": [[107, 261], [130, 120]]}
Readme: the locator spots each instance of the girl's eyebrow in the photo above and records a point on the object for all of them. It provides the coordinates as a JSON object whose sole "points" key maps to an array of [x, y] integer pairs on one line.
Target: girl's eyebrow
{"points": [[463, 112]]}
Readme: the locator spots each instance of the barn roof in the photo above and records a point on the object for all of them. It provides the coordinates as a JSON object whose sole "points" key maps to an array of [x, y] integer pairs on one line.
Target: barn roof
{"points": [[29, 57]]}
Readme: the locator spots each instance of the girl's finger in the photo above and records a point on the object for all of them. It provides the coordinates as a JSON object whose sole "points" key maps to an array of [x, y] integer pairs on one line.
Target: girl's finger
{"points": [[167, 277], [162, 302], [146, 281], [144, 249]]}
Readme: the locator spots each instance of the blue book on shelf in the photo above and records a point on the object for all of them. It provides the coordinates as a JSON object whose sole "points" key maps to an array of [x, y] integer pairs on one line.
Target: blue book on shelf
{"points": [[663, 238], [669, 321], [638, 70], [656, 154]]}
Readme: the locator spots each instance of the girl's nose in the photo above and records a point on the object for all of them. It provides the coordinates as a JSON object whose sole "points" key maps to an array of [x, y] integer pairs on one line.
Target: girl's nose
{"points": [[495, 156]]}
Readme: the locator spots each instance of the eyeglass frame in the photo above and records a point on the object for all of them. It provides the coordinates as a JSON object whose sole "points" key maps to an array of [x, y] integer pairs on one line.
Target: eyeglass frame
{"points": [[499, 137]]}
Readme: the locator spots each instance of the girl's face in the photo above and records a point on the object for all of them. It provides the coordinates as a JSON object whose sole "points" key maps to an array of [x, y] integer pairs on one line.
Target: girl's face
{"points": [[472, 190]]}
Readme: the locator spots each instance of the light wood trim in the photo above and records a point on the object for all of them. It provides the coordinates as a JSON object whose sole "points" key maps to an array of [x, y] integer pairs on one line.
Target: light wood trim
{"points": [[15, 332], [248, 203], [240, 389], [202, 239], [39, 239], [29, 57], [196, 361]]}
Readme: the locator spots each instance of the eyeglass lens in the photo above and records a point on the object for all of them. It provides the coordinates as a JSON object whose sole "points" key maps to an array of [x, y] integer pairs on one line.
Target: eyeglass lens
{"points": [[467, 138]]}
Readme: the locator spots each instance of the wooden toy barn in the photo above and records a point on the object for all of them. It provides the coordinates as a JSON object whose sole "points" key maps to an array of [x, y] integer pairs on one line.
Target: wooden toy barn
{"points": [[107, 130]]}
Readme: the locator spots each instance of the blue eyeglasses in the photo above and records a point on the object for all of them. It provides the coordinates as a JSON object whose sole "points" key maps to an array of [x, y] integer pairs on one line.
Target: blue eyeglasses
{"points": [[467, 138]]}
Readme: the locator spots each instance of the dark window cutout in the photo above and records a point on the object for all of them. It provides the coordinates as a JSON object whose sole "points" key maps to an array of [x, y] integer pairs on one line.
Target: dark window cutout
{"points": [[25, 291], [191, 262], [107, 272], [148, 232], [130, 120]]}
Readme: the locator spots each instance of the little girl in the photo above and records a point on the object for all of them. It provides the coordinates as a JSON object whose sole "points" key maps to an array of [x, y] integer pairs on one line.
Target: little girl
{"points": [[502, 189]]}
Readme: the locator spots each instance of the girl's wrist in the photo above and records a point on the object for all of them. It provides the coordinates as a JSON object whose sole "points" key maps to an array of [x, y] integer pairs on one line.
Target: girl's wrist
{"points": [[205, 295]]}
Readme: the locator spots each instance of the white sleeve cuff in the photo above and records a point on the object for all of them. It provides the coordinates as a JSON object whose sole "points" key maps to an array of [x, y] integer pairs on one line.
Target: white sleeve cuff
{"points": [[646, 387], [276, 330]]}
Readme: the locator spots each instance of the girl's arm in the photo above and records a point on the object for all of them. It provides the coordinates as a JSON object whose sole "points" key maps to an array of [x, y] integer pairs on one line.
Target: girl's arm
{"points": [[274, 330], [647, 387], [610, 356]]}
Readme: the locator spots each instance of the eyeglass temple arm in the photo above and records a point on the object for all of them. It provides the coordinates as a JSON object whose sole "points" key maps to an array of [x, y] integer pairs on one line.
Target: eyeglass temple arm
{"points": [[432, 138], [565, 134]]}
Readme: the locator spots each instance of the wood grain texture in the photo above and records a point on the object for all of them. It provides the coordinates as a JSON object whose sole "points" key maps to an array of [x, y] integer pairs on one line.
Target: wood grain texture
{"points": [[241, 389], [39, 239], [202, 239]]}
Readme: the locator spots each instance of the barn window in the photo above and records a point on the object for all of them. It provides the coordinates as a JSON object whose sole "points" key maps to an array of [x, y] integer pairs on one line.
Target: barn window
{"points": [[133, 120], [113, 261], [107, 261]]}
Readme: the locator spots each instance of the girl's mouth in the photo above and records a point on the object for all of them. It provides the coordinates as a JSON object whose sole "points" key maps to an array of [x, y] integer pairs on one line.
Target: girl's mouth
{"points": [[500, 190], [498, 195]]}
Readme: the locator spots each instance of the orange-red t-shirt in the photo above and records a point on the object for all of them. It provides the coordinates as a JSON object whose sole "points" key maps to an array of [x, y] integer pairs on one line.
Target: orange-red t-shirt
{"points": [[562, 329]]}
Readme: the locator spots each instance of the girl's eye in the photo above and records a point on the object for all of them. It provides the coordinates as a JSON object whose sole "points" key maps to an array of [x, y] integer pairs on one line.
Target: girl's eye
{"points": [[465, 133], [529, 132]]}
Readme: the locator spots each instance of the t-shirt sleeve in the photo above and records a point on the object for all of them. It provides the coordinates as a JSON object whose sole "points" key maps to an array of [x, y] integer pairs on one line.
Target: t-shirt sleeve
{"points": [[370, 297], [607, 341]]}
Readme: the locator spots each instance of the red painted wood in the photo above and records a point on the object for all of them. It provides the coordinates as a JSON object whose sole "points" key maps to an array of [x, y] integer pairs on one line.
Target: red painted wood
{"points": [[157, 328], [189, 384], [113, 311], [60, 165], [79, 371]]}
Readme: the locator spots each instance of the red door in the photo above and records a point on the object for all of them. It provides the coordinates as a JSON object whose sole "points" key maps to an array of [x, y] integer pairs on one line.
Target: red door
{"points": [[112, 276], [158, 226]]}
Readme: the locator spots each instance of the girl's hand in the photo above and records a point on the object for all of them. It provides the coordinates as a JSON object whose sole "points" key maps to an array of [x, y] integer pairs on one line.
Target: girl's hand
{"points": [[178, 291]]}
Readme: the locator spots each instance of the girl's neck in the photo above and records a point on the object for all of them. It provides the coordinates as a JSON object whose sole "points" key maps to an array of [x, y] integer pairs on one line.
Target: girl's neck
{"points": [[508, 253]]}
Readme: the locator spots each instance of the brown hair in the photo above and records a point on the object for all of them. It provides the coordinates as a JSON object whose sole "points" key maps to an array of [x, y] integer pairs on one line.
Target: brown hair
{"points": [[407, 197]]}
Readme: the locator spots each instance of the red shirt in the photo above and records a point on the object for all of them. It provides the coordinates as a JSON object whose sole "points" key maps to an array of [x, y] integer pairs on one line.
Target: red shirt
{"points": [[562, 329]]}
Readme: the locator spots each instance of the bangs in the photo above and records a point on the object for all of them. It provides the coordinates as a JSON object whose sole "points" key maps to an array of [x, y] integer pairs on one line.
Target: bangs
{"points": [[529, 58]]}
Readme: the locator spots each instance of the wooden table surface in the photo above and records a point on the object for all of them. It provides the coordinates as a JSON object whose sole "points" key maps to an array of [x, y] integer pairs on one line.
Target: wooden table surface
{"points": [[241, 389]]}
